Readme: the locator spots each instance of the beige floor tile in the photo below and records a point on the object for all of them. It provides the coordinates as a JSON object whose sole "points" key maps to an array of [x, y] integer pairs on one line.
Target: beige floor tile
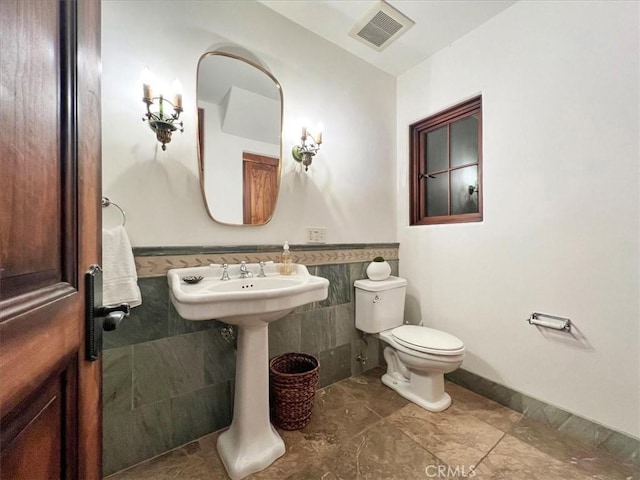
{"points": [[454, 436], [369, 389], [196, 461], [514, 459], [301, 452], [381, 452], [337, 416], [316, 470], [481, 407]]}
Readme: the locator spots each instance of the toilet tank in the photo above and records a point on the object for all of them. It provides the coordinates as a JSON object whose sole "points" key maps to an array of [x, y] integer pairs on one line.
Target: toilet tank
{"points": [[380, 304]]}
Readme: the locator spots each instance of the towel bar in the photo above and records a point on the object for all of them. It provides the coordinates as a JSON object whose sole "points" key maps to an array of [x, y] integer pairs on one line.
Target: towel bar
{"points": [[106, 202]]}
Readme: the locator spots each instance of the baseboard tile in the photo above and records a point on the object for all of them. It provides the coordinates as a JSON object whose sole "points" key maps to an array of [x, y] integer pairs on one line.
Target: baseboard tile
{"points": [[622, 446]]}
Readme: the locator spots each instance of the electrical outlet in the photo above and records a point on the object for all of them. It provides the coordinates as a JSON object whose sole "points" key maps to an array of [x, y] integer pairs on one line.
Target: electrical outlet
{"points": [[316, 234]]}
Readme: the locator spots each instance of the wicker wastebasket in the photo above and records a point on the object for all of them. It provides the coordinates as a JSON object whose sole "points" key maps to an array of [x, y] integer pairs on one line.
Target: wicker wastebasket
{"points": [[293, 380]]}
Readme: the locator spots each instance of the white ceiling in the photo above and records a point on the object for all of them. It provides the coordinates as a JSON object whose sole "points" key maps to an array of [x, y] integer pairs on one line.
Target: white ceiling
{"points": [[438, 23]]}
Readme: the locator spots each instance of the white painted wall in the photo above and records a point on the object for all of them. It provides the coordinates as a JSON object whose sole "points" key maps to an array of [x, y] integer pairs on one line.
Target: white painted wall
{"points": [[258, 125], [350, 187], [560, 86]]}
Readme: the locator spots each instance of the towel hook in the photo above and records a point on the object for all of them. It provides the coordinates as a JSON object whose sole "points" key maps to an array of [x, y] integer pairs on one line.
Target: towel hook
{"points": [[106, 202]]}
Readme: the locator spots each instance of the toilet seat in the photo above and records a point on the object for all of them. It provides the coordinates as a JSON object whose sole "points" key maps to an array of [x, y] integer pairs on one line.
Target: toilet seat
{"points": [[427, 340]]}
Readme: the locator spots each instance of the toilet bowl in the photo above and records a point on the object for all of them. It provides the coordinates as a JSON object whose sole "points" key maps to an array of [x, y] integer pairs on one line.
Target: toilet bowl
{"points": [[417, 357], [418, 375]]}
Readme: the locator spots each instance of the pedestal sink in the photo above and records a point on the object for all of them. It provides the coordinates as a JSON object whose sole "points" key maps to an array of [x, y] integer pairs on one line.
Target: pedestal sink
{"points": [[251, 443]]}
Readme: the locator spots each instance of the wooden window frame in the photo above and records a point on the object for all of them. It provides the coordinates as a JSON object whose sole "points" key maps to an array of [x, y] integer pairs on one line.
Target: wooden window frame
{"points": [[417, 167]]}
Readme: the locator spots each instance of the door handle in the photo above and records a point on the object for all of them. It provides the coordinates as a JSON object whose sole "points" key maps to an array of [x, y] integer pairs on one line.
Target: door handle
{"points": [[98, 317], [112, 315]]}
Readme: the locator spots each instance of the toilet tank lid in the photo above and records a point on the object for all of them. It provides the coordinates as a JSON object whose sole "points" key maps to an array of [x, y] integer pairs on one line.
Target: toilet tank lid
{"points": [[380, 285]]}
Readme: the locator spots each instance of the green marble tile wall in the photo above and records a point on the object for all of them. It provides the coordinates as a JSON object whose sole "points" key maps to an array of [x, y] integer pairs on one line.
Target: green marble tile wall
{"points": [[167, 381]]}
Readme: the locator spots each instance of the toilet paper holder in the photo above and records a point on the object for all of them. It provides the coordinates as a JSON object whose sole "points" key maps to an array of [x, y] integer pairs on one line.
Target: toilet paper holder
{"points": [[550, 321]]}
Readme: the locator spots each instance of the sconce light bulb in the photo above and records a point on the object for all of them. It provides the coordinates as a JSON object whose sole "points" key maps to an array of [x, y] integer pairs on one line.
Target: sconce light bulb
{"points": [[176, 87], [148, 83], [304, 121]]}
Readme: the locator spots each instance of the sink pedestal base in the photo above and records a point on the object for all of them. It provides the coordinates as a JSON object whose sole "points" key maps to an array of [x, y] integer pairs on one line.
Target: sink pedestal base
{"points": [[251, 443]]}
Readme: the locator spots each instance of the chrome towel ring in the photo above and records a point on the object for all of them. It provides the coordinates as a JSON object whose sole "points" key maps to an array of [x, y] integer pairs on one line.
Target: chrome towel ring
{"points": [[106, 202]]}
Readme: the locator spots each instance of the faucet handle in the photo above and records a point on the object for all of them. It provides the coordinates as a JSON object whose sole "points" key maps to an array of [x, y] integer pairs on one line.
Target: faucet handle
{"points": [[225, 272], [261, 272], [244, 271]]}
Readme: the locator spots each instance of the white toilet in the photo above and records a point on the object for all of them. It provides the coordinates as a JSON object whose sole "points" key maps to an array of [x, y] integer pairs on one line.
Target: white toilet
{"points": [[417, 357]]}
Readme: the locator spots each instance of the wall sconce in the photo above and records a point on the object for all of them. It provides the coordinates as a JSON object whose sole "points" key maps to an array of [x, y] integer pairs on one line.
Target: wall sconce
{"points": [[162, 123], [308, 147]]}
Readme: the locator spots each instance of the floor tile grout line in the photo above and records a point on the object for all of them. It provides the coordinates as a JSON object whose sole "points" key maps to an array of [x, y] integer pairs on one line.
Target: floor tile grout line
{"points": [[504, 434], [360, 432], [346, 390], [440, 460]]}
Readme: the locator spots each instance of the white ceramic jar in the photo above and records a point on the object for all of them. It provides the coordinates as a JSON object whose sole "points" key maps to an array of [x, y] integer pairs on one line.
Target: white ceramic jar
{"points": [[378, 270]]}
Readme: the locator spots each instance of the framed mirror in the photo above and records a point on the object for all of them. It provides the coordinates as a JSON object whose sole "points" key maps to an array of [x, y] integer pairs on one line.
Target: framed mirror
{"points": [[240, 108]]}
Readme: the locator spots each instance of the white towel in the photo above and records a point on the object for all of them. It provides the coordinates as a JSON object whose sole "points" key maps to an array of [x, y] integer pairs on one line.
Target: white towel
{"points": [[120, 280]]}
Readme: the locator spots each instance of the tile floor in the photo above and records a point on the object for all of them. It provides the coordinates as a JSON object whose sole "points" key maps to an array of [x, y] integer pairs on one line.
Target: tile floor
{"points": [[360, 429]]}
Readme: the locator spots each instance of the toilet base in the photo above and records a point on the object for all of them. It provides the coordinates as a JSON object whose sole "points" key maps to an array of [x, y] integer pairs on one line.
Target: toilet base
{"points": [[404, 389]]}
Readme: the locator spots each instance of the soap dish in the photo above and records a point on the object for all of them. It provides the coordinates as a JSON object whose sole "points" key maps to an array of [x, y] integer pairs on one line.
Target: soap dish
{"points": [[192, 278]]}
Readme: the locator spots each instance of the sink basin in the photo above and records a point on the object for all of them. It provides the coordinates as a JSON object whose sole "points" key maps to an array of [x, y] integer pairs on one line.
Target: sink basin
{"points": [[251, 443], [243, 301]]}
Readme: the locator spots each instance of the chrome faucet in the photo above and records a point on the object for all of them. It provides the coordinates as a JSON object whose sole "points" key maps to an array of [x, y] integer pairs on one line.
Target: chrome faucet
{"points": [[261, 272], [244, 272], [225, 272]]}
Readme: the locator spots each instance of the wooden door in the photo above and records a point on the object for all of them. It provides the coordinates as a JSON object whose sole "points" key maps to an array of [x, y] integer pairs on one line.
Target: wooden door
{"points": [[50, 407], [260, 188]]}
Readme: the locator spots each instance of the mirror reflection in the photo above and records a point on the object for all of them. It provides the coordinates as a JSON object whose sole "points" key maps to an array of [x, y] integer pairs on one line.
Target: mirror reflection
{"points": [[239, 139]]}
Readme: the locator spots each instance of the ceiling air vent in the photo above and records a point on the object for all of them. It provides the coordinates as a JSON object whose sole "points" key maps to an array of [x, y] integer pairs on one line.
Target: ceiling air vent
{"points": [[382, 25]]}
